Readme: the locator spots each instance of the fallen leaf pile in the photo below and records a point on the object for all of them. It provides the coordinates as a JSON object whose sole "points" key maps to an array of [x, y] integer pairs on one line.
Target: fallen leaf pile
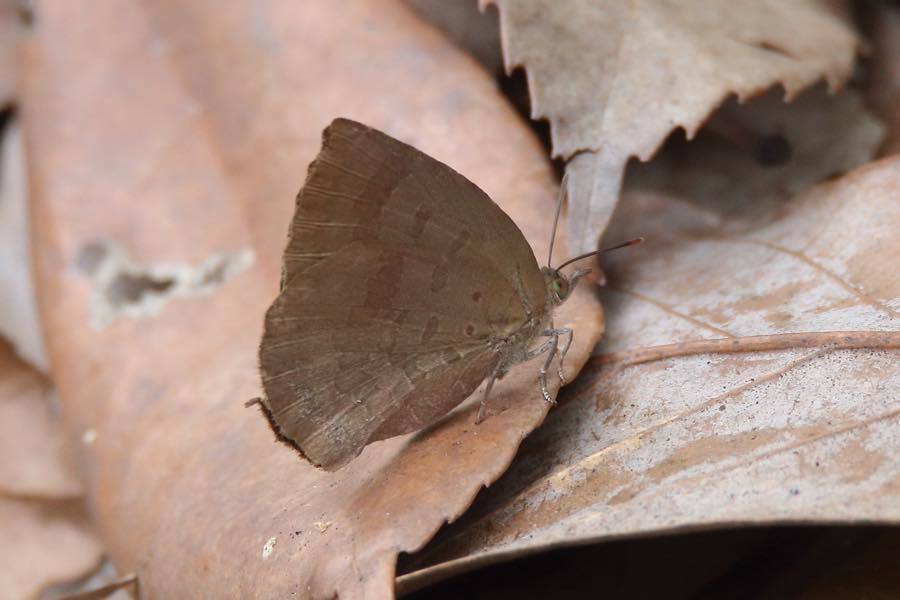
{"points": [[615, 78], [163, 143]]}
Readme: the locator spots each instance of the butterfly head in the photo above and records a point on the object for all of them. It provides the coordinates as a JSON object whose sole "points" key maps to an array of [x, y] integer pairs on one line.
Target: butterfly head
{"points": [[559, 285]]}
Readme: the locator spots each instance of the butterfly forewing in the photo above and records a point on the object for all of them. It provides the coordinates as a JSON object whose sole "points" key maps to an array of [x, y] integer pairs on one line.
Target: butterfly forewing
{"points": [[398, 275]]}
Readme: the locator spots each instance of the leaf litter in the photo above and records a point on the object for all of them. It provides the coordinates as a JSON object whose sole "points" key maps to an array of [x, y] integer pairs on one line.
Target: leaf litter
{"points": [[178, 462], [614, 79], [799, 434], [693, 224]]}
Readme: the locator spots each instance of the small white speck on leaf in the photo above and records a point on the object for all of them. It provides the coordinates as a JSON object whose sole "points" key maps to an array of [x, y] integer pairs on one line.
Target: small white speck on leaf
{"points": [[89, 437], [269, 547]]}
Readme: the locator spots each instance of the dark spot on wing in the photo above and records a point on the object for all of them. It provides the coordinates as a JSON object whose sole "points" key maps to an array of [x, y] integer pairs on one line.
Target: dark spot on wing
{"points": [[476, 296], [470, 329], [384, 283]]}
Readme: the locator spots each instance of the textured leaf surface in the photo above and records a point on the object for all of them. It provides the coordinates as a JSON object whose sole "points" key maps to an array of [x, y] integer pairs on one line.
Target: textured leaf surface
{"points": [[211, 113], [709, 440], [35, 455], [615, 78]]}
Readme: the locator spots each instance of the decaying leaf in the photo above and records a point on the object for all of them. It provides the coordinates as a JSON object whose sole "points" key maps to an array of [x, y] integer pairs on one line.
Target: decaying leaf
{"points": [[102, 584], [42, 543], [206, 135], [760, 154], [615, 78], [475, 31], [35, 456], [801, 435], [45, 536], [18, 310]]}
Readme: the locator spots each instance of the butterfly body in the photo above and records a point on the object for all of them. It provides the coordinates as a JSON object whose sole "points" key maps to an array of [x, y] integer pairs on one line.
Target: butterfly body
{"points": [[403, 288]]}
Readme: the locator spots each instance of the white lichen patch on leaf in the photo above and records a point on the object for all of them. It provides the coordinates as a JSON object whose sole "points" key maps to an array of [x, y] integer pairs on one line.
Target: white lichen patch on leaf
{"points": [[125, 289]]}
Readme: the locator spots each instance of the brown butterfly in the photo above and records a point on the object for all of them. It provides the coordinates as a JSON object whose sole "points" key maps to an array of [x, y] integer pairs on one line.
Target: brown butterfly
{"points": [[403, 287]]}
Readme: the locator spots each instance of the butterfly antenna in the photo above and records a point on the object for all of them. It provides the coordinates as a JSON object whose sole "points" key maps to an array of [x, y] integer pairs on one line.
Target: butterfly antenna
{"points": [[631, 242], [563, 194]]}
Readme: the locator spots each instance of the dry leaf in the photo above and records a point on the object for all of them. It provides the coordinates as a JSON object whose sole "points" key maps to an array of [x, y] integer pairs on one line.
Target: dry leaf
{"points": [[35, 457], [703, 441], [42, 543], [102, 584], [45, 536], [211, 114], [18, 310], [614, 79], [474, 30], [760, 154]]}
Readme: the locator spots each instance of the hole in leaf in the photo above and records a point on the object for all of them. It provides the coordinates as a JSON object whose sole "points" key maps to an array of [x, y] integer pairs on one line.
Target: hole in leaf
{"points": [[127, 288]]}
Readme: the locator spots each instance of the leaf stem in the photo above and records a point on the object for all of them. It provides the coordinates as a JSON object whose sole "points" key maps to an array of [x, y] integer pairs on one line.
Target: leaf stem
{"points": [[753, 343]]}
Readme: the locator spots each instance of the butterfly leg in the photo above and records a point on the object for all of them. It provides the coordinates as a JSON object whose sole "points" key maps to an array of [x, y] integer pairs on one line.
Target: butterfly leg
{"points": [[495, 373], [553, 342], [566, 331]]}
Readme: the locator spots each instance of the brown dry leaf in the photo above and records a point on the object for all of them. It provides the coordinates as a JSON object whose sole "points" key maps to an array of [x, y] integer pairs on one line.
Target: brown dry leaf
{"points": [[211, 113], [18, 310], [738, 155], [703, 441], [45, 536], [36, 459], [614, 79], [43, 543], [102, 584], [474, 30]]}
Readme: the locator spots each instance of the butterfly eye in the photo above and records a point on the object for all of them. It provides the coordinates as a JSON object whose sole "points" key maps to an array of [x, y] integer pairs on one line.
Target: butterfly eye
{"points": [[560, 288]]}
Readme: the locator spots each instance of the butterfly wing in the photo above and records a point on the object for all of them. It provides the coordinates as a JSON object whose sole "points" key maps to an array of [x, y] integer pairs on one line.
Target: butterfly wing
{"points": [[398, 274]]}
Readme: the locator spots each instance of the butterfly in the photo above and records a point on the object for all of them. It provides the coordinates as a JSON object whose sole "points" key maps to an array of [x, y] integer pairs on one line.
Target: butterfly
{"points": [[404, 287]]}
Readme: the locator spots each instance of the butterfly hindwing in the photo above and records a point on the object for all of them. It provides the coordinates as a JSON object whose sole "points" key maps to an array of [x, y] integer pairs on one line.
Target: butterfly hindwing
{"points": [[397, 275]]}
